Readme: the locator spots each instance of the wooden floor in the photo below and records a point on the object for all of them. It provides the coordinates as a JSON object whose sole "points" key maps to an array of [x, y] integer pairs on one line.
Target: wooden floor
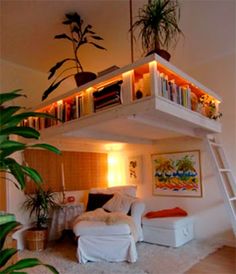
{"points": [[223, 261]]}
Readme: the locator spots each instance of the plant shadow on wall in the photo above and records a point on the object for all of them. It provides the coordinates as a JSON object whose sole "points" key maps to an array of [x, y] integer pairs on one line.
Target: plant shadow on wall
{"points": [[79, 36], [10, 126], [158, 27]]}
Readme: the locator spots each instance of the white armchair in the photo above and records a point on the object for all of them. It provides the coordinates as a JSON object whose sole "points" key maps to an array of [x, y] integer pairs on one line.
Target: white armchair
{"points": [[137, 209], [99, 241]]}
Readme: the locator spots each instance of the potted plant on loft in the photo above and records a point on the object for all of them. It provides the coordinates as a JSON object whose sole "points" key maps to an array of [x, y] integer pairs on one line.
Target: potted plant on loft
{"points": [[79, 36], [158, 26], [10, 126], [39, 205]]}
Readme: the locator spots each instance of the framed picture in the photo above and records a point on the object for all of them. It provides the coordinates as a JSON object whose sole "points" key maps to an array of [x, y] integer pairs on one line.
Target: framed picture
{"points": [[135, 170], [177, 174]]}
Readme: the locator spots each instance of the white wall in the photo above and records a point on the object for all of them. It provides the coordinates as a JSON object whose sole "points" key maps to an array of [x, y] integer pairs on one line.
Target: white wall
{"points": [[32, 83], [219, 75], [210, 215]]}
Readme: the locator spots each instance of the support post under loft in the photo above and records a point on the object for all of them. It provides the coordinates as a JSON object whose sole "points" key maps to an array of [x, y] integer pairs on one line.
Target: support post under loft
{"points": [[225, 178]]}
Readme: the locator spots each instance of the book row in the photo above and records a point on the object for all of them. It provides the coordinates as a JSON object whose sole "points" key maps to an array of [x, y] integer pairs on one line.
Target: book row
{"points": [[74, 108]]}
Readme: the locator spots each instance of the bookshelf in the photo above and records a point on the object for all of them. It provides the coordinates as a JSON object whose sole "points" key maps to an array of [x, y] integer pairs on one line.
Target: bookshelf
{"points": [[150, 85]]}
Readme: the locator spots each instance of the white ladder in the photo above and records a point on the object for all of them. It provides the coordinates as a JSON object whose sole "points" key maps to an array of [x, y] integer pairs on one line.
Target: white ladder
{"points": [[225, 176]]}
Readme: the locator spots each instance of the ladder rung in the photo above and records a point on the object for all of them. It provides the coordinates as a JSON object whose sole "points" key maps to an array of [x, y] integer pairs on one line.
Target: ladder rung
{"points": [[232, 199], [224, 170], [215, 144]]}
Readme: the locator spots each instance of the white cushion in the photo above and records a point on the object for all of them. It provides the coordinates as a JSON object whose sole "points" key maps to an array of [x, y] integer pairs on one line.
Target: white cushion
{"points": [[100, 229], [119, 203], [126, 189]]}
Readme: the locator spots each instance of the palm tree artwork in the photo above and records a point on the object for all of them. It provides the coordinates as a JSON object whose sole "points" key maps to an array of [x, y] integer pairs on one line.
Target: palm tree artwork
{"points": [[177, 173]]}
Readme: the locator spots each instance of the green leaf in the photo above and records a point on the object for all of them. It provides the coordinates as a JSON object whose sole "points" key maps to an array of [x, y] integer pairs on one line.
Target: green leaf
{"points": [[11, 144], [5, 229], [6, 113], [26, 132], [5, 255], [52, 268], [16, 119], [16, 170], [48, 147], [33, 174], [22, 264], [8, 147], [27, 263], [4, 97]]}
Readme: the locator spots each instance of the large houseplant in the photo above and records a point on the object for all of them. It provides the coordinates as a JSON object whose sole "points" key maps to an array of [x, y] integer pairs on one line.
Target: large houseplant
{"points": [[39, 205], [79, 36], [158, 27], [10, 126]]}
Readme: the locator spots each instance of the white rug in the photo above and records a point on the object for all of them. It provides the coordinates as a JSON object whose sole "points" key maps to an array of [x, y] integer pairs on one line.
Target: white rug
{"points": [[152, 259]]}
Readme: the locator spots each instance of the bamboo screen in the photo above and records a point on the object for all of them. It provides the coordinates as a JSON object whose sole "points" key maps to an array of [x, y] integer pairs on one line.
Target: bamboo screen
{"points": [[48, 165], [83, 170]]}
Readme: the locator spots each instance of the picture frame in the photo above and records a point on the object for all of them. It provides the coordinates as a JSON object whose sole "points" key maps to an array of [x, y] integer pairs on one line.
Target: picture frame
{"points": [[177, 174], [134, 170]]}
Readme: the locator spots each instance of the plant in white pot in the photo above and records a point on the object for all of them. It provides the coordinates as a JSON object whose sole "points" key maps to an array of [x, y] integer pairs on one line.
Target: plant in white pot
{"points": [[39, 204], [157, 22], [79, 36]]}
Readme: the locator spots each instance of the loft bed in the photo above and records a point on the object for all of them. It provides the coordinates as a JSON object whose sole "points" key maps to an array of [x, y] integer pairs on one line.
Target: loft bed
{"points": [[142, 102]]}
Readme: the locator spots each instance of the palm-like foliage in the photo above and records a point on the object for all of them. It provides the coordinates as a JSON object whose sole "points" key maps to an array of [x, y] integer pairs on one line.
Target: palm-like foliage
{"points": [[185, 164], [6, 254], [79, 35], [158, 23], [10, 119], [40, 203]]}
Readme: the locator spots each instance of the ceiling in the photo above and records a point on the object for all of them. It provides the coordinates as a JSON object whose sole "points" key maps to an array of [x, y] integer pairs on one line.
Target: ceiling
{"points": [[28, 28]]}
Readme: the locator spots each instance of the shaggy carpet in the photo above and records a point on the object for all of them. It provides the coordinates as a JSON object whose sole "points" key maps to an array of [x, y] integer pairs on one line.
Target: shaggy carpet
{"points": [[152, 259]]}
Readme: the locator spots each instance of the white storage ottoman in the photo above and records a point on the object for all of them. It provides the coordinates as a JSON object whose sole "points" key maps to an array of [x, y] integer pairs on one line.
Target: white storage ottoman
{"points": [[170, 231]]}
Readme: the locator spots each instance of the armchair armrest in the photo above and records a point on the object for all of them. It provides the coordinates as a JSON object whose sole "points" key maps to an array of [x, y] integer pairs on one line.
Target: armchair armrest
{"points": [[137, 209]]}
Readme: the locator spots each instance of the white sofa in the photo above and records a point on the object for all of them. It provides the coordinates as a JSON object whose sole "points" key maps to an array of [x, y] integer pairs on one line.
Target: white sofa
{"points": [[98, 241]]}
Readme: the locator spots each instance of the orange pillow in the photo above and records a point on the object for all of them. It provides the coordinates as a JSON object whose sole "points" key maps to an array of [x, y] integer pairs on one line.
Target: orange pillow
{"points": [[172, 212]]}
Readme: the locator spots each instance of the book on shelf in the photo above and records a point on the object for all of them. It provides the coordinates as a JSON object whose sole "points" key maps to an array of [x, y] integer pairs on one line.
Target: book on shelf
{"points": [[87, 103], [107, 95], [111, 103], [168, 89]]}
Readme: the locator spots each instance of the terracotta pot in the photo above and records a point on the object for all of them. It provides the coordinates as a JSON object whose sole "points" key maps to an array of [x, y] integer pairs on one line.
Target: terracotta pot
{"points": [[36, 239], [84, 77], [161, 52]]}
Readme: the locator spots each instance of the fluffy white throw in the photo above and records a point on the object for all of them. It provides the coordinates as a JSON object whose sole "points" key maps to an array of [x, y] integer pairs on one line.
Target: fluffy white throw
{"points": [[109, 218]]}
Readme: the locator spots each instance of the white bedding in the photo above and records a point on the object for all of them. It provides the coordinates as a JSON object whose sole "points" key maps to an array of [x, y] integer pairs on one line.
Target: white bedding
{"points": [[109, 218]]}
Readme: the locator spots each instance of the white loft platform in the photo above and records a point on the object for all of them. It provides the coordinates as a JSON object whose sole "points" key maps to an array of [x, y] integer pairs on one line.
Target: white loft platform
{"points": [[141, 120]]}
